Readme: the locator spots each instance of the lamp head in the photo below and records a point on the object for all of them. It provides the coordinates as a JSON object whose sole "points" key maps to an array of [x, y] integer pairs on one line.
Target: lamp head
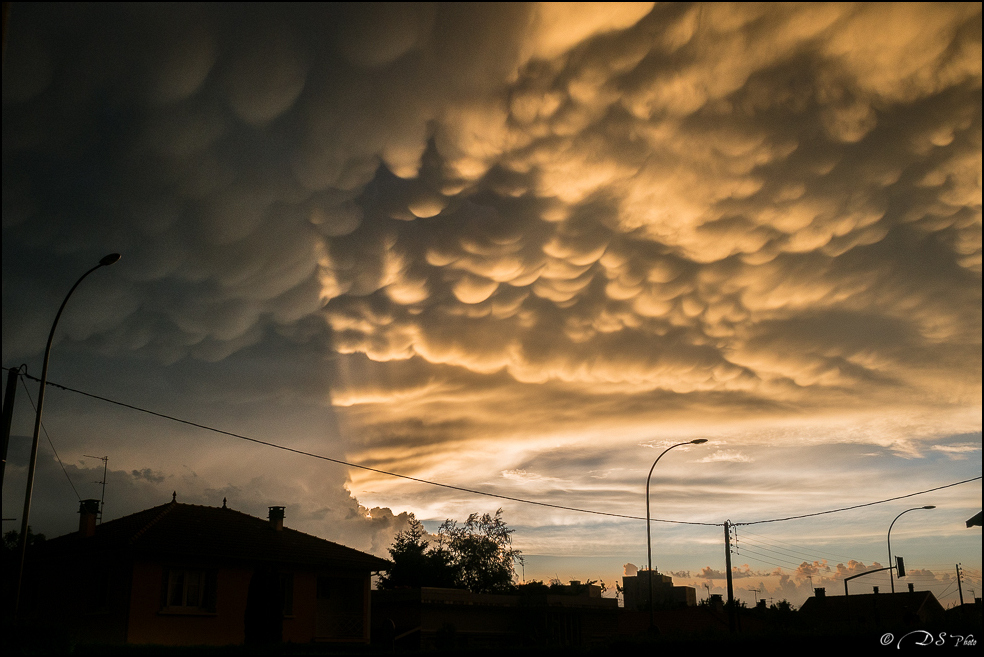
{"points": [[699, 441], [929, 507], [109, 259]]}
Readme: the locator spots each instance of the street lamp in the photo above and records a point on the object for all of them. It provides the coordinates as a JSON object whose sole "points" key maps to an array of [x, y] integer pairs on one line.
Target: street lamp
{"points": [[891, 577], [649, 538], [105, 262]]}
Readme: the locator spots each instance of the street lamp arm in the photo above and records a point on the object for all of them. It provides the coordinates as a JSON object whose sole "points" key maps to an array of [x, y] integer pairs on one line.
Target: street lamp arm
{"points": [[891, 577], [699, 441], [32, 466], [649, 538], [54, 325], [649, 479]]}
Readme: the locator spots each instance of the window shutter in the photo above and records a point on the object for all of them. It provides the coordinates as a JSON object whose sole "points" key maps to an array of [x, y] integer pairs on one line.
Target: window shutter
{"points": [[211, 593]]}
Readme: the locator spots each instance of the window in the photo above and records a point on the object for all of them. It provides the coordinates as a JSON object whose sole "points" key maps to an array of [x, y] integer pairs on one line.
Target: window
{"points": [[188, 590]]}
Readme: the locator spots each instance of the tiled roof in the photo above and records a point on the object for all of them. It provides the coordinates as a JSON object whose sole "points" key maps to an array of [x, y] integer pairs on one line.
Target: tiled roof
{"points": [[176, 530]]}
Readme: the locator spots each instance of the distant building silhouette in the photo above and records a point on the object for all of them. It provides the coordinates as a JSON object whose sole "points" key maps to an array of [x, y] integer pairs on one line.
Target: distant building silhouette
{"points": [[439, 618], [917, 609], [636, 591], [181, 574]]}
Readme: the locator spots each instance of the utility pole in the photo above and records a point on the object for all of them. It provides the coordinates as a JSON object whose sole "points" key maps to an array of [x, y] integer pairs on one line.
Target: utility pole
{"points": [[8, 405], [731, 585], [959, 585]]}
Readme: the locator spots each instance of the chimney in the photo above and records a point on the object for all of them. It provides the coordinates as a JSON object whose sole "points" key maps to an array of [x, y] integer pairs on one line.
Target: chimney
{"points": [[88, 512], [875, 588], [277, 517], [820, 592], [912, 588]]}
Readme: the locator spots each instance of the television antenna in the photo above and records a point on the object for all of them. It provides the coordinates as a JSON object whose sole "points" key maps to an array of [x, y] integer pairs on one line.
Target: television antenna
{"points": [[102, 496]]}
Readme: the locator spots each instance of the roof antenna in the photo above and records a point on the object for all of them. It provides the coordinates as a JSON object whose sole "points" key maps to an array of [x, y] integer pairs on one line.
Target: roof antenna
{"points": [[224, 503], [102, 499]]}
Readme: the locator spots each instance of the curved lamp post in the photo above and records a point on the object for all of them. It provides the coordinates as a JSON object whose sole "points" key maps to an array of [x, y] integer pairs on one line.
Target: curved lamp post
{"points": [[891, 577], [649, 539], [25, 518]]}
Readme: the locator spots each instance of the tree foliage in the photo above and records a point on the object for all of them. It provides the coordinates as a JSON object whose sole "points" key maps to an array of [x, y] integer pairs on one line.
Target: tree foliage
{"points": [[413, 564], [11, 539], [476, 555]]}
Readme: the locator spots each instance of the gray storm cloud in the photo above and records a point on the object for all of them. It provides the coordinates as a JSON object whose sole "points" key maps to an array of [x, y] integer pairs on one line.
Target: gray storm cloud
{"points": [[336, 516], [597, 137]]}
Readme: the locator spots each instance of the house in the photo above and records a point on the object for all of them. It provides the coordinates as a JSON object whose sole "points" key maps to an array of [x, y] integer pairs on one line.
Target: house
{"points": [[916, 609], [183, 574]]}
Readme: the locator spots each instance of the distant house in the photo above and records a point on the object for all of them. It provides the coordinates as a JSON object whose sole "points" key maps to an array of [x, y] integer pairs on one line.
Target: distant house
{"points": [[181, 574], [918, 609]]}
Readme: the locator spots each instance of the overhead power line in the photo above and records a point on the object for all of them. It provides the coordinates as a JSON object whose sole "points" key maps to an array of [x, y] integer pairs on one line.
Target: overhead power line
{"points": [[46, 435], [803, 550], [471, 491], [859, 506], [366, 467]]}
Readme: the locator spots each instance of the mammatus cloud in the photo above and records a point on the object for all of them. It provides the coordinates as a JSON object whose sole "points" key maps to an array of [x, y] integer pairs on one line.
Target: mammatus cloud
{"points": [[677, 205], [513, 231], [692, 216]]}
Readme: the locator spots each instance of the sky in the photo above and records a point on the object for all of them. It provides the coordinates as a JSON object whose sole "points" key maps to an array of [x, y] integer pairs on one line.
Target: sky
{"points": [[511, 248]]}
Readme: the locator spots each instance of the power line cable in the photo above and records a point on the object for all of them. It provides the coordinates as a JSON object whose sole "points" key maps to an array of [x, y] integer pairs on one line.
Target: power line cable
{"points": [[922, 579], [832, 554], [50, 444], [745, 551], [801, 551], [791, 566], [368, 468], [858, 506], [931, 577], [779, 551], [474, 491]]}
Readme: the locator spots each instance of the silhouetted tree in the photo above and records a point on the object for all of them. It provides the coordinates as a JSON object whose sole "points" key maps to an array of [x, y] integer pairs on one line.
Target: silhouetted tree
{"points": [[11, 538], [481, 551], [533, 587], [477, 555], [784, 606], [413, 565], [556, 587]]}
